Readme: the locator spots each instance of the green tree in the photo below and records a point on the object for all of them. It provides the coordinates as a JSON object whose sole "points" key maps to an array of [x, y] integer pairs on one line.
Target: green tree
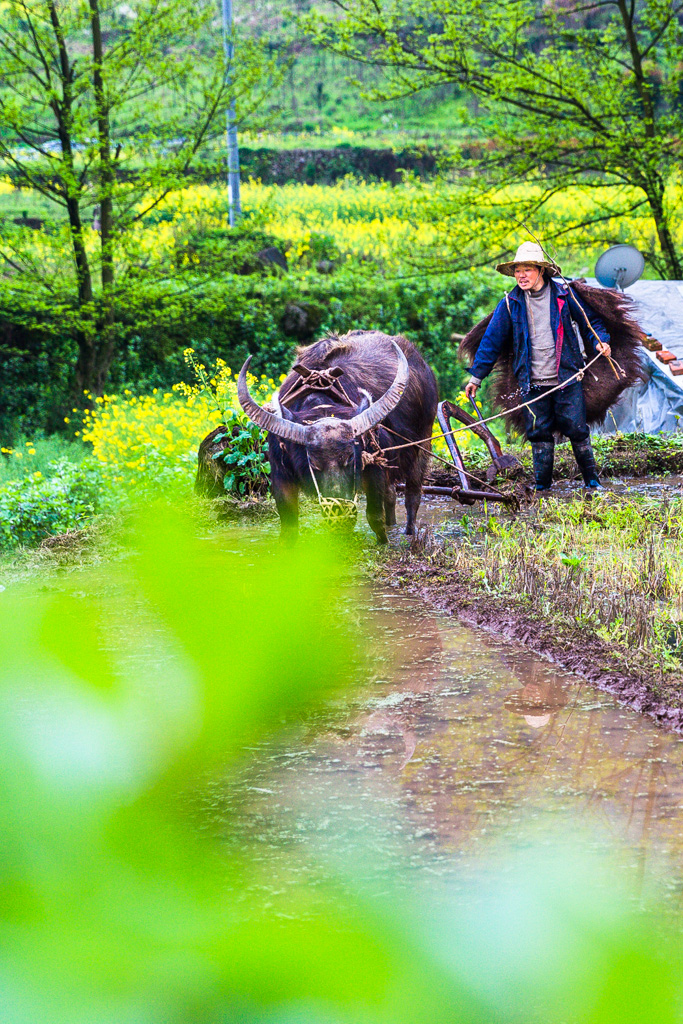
{"points": [[585, 92], [104, 109]]}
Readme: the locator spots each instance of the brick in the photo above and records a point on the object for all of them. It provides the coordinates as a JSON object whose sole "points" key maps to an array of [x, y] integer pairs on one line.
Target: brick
{"points": [[666, 357], [652, 344], [676, 368]]}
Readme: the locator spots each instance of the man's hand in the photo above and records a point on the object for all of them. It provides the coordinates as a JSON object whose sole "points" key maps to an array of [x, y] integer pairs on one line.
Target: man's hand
{"points": [[603, 348], [471, 389]]}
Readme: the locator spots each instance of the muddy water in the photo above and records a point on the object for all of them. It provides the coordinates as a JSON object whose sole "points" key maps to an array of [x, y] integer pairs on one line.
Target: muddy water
{"points": [[462, 741]]}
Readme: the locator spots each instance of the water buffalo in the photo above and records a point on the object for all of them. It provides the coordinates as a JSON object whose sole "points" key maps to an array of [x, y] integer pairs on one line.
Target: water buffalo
{"points": [[346, 400]]}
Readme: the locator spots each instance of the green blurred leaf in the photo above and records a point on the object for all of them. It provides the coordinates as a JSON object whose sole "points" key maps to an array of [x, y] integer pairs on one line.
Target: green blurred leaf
{"points": [[72, 631]]}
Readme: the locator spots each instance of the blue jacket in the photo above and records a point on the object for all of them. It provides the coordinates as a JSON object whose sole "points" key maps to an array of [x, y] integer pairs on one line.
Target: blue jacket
{"points": [[512, 326]]}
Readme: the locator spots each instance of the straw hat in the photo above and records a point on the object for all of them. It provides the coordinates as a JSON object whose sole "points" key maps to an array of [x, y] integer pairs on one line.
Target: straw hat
{"points": [[528, 252]]}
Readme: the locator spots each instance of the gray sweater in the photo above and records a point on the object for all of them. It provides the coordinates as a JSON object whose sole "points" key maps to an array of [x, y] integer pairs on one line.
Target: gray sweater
{"points": [[543, 356]]}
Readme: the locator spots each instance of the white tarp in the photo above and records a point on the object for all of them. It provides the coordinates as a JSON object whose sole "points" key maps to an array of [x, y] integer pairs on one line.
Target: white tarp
{"points": [[656, 405]]}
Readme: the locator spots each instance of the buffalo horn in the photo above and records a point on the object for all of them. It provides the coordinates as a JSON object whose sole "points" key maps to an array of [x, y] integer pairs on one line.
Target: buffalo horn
{"points": [[368, 419], [288, 430]]}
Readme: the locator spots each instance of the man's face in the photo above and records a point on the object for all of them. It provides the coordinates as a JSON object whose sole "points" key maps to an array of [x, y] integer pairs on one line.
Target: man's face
{"points": [[528, 276]]}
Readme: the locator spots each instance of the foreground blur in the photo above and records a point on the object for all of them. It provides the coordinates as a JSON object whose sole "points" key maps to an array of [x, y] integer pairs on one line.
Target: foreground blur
{"points": [[125, 695]]}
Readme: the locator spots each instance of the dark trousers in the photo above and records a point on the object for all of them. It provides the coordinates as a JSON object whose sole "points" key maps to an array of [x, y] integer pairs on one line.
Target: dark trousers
{"points": [[564, 411]]}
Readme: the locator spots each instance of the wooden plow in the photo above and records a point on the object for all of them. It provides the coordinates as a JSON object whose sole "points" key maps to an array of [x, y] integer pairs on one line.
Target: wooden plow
{"points": [[464, 492]]}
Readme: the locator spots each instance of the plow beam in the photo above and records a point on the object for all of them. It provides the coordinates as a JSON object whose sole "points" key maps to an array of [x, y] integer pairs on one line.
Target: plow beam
{"points": [[466, 495]]}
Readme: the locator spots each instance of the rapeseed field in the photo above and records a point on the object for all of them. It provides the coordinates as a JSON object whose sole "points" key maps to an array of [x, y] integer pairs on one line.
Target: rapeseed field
{"points": [[138, 439], [394, 225]]}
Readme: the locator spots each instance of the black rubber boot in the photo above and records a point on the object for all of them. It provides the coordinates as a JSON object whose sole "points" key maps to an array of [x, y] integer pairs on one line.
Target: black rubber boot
{"points": [[544, 455], [585, 460]]}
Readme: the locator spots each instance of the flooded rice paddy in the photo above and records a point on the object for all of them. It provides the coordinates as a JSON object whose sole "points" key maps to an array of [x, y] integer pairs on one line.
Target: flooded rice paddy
{"points": [[460, 745], [461, 742]]}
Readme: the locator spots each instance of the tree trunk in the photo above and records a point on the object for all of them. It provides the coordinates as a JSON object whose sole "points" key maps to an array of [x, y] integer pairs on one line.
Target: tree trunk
{"points": [[106, 171], [88, 374], [654, 187], [104, 339], [63, 111], [93, 363], [670, 256]]}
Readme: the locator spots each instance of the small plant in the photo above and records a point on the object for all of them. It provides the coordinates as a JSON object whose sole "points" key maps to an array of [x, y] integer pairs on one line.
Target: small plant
{"points": [[573, 561], [245, 456]]}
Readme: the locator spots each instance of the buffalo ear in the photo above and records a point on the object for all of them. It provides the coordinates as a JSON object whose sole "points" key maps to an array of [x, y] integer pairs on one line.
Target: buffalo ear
{"points": [[281, 410], [365, 402]]}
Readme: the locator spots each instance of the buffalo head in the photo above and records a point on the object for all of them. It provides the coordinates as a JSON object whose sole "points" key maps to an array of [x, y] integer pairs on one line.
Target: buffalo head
{"points": [[330, 441]]}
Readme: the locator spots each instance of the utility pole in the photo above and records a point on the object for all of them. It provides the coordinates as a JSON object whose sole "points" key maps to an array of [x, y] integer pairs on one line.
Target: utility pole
{"points": [[234, 201]]}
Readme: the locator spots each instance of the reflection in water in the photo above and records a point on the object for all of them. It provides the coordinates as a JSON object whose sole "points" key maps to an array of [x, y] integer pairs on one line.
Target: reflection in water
{"points": [[463, 739], [538, 699]]}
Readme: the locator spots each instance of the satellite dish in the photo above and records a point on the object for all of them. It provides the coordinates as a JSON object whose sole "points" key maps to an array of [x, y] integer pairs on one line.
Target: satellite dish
{"points": [[619, 267]]}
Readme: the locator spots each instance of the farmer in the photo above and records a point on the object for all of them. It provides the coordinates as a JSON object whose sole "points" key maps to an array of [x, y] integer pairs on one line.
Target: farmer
{"points": [[539, 319]]}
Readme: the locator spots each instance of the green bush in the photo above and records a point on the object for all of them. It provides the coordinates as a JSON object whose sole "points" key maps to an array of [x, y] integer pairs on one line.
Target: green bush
{"points": [[267, 316], [231, 316], [227, 250], [38, 506], [37, 359], [245, 456]]}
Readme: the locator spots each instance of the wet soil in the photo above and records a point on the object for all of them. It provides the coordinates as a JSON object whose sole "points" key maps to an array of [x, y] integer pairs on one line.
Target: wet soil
{"points": [[576, 650]]}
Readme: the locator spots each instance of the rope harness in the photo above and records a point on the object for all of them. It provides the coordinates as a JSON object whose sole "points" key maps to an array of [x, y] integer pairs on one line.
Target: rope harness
{"points": [[311, 381], [338, 513], [343, 512]]}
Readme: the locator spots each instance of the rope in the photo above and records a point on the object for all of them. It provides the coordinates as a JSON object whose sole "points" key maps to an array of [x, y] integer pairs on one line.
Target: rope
{"points": [[506, 412], [336, 511], [470, 476]]}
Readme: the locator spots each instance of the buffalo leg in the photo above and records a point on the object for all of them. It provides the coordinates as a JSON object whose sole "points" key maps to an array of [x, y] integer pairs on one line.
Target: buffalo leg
{"points": [[413, 463], [413, 499], [286, 497], [374, 487], [390, 504]]}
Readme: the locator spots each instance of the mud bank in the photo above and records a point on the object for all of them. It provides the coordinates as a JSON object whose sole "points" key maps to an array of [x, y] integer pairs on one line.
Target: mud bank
{"points": [[636, 684]]}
